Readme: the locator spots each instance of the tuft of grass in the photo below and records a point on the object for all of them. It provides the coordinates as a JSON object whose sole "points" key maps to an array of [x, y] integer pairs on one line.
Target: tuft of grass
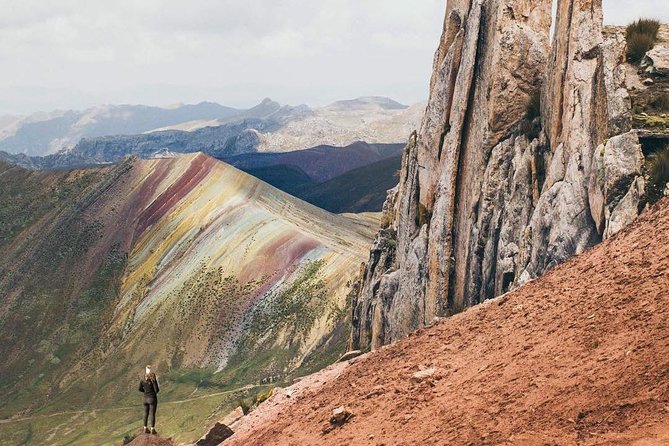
{"points": [[262, 396], [637, 46], [652, 122], [643, 26], [657, 167], [641, 36], [660, 103]]}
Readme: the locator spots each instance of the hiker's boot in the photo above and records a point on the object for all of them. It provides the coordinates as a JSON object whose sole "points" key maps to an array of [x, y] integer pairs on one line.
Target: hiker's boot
{"points": [[146, 430], [153, 430]]}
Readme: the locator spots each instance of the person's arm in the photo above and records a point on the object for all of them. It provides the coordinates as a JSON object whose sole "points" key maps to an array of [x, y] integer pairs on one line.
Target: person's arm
{"points": [[141, 386], [155, 386]]}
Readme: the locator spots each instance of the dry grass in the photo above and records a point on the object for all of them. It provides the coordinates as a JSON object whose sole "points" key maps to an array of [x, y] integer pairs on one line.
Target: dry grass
{"points": [[660, 103], [658, 174], [641, 36]]}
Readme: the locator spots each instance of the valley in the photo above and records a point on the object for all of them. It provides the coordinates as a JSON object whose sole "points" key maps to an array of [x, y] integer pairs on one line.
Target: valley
{"points": [[355, 178]]}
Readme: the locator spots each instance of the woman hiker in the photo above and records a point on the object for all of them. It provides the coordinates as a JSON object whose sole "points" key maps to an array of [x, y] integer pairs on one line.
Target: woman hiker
{"points": [[149, 386]]}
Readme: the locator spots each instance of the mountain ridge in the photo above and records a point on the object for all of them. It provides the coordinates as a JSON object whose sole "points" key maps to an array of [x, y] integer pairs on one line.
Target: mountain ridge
{"points": [[51, 138]]}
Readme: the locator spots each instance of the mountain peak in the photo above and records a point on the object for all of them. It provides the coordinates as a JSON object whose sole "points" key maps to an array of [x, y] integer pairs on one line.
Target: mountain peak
{"points": [[366, 103]]}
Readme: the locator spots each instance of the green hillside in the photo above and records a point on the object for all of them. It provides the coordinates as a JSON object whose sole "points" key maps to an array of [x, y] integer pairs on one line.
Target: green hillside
{"points": [[360, 190]]}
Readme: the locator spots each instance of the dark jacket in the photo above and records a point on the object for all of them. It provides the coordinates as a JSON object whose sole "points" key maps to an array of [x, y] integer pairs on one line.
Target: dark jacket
{"points": [[150, 389]]}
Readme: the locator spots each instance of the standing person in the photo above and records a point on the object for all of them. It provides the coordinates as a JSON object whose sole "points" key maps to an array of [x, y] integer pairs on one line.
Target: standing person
{"points": [[149, 386]]}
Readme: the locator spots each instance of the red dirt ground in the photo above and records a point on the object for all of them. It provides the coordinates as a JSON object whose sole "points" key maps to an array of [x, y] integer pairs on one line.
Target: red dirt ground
{"points": [[577, 357], [150, 440]]}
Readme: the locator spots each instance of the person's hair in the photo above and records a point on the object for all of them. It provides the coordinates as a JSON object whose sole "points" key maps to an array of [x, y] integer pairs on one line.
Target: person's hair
{"points": [[150, 376]]}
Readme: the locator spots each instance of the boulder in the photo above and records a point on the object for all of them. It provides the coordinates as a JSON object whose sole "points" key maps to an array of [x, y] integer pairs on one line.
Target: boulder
{"points": [[616, 186], [215, 436], [340, 415], [422, 375], [150, 440], [234, 416], [350, 355], [656, 61], [627, 210]]}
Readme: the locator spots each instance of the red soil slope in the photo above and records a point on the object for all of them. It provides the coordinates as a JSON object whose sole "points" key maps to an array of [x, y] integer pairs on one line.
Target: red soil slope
{"points": [[150, 440], [580, 356]]}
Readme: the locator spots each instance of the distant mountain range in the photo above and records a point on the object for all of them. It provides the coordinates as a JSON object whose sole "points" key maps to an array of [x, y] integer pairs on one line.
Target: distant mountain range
{"points": [[106, 134], [46, 133]]}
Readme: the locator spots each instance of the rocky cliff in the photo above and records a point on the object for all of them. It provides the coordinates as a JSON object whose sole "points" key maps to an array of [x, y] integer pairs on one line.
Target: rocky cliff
{"points": [[525, 157]]}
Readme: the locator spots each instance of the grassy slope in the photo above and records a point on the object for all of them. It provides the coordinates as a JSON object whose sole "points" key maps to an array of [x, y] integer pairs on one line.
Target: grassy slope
{"points": [[360, 190]]}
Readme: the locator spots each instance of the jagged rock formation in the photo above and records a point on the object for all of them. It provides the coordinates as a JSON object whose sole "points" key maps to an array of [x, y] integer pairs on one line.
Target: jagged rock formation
{"points": [[217, 434], [525, 157]]}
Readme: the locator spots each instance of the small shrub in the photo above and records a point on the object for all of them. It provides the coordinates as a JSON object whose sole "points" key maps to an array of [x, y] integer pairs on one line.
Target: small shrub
{"points": [[658, 174], [643, 26], [127, 439], [261, 397], [641, 36], [638, 45], [246, 407], [660, 102], [386, 220]]}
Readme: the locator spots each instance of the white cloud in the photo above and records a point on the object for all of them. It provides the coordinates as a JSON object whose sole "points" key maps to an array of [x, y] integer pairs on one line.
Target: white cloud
{"points": [[232, 51]]}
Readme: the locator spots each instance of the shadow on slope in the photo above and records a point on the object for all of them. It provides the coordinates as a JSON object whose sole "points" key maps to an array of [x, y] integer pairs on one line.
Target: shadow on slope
{"points": [[348, 179], [361, 190], [320, 163]]}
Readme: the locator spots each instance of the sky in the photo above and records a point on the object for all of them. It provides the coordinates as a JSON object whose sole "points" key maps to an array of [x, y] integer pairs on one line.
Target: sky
{"points": [[60, 54]]}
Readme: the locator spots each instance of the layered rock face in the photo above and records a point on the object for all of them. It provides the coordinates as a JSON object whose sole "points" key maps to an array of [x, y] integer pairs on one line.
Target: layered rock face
{"points": [[524, 158]]}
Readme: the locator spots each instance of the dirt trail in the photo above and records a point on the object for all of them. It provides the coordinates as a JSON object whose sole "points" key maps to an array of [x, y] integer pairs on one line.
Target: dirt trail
{"points": [[92, 411], [578, 357]]}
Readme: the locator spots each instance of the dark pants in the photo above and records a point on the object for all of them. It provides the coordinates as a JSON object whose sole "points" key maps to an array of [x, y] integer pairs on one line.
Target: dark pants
{"points": [[150, 405]]}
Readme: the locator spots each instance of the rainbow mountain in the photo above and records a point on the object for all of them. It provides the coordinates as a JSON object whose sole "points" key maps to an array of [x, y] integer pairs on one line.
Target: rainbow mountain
{"points": [[214, 277]]}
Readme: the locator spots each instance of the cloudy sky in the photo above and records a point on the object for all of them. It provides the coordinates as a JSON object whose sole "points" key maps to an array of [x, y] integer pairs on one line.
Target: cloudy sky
{"points": [[78, 53]]}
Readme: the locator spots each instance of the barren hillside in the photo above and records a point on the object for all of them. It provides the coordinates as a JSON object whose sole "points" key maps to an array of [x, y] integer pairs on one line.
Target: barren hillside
{"points": [[579, 356]]}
